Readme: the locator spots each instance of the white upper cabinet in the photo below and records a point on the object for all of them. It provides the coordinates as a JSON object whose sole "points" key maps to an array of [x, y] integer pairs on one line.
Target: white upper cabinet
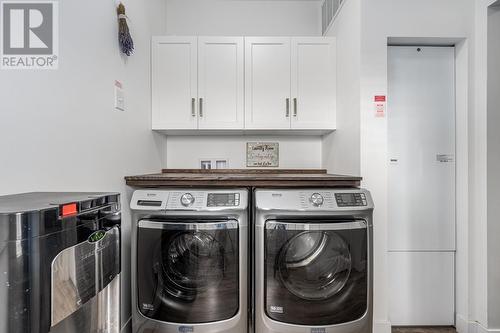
{"points": [[256, 84], [267, 83], [221, 82], [174, 82], [313, 83]]}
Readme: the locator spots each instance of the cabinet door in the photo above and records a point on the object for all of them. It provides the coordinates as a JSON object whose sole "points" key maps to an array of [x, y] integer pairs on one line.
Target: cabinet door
{"points": [[313, 83], [174, 82], [220, 82], [267, 83]]}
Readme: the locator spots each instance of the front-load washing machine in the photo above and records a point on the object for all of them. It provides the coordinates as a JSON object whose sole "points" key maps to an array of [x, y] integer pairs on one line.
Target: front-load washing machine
{"points": [[313, 261], [190, 253]]}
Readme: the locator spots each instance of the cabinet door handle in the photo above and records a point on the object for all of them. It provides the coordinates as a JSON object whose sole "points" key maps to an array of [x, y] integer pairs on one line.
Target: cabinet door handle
{"points": [[201, 107], [287, 113], [193, 107], [295, 107]]}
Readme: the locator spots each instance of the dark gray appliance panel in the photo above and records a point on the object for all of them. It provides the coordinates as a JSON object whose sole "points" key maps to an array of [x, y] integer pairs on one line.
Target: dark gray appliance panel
{"points": [[317, 276], [188, 272]]}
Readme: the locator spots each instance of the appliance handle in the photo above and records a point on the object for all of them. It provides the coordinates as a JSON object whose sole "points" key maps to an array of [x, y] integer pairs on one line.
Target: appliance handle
{"points": [[165, 225], [357, 224]]}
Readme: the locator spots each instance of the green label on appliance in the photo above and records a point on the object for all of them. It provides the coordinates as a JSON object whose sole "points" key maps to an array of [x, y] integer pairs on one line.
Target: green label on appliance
{"points": [[97, 236]]}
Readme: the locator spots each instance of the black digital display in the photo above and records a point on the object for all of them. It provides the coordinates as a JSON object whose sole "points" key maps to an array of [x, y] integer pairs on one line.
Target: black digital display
{"points": [[223, 199], [350, 199], [347, 198]]}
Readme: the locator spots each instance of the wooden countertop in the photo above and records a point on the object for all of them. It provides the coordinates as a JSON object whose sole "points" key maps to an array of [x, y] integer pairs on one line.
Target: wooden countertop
{"points": [[243, 178]]}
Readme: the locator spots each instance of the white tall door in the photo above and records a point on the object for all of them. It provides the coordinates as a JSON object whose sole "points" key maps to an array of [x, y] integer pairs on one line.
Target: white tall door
{"points": [[313, 82], [175, 82], [221, 82], [421, 144], [267, 83]]}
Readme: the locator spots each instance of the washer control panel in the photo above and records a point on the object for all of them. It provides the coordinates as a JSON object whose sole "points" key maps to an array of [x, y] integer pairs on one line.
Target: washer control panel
{"points": [[206, 200], [350, 199], [187, 199], [223, 199], [316, 200]]}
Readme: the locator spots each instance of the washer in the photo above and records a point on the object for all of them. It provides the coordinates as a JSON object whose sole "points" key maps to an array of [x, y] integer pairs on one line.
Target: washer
{"points": [[313, 261], [189, 257]]}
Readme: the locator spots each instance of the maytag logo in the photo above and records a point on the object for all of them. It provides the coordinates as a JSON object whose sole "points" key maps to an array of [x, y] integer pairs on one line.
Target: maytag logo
{"points": [[186, 329], [29, 32], [318, 330]]}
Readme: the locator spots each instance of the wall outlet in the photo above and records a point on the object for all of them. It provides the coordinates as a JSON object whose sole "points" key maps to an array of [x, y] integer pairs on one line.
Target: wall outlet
{"points": [[205, 164], [214, 163]]}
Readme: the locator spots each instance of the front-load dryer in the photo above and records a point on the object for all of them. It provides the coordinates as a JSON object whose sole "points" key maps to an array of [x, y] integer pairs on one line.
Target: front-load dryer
{"points": [[189, 259], [313, 261]]}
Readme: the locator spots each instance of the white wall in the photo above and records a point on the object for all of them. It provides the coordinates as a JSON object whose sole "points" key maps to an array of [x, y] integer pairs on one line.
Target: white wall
{"points": [[295, 152], [479, 169], [493, 167], [493, 105], [380, 20], [58, 129], [242, 18], [341, 149]]}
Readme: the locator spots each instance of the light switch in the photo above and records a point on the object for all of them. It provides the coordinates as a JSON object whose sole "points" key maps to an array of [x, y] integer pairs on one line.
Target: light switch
{"points": [[119, 96]]}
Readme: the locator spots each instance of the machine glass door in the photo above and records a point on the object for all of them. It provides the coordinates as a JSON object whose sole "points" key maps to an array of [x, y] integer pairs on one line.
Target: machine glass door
{"points": [[316, 273], [188, 271]]}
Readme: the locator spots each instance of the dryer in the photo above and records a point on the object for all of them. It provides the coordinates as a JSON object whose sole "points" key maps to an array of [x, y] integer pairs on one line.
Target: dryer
{"points": [[313, 261], [189, 257]]}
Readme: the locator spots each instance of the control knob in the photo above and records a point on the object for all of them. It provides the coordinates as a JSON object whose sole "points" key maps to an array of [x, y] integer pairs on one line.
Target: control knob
{"points": [[316, 199], [187, 199]]}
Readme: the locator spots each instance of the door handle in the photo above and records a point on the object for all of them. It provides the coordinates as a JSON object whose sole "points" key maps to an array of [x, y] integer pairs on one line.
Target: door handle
{"points": [[193, 107], [445, 158], [287, 113], [201, 107], [295, 107]]}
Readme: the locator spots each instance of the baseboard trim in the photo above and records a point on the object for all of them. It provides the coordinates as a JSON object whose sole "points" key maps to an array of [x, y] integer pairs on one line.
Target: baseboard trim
{"points": [[127, 328], [481, 329], [382, 326], [466, 326]]}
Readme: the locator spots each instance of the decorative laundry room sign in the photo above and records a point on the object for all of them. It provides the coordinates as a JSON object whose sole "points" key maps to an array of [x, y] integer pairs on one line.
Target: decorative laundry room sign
{"points": [[263, 154]]}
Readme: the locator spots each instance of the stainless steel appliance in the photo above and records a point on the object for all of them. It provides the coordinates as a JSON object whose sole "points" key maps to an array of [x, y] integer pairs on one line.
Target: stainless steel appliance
{"points": [[313, 261], [189, 268], [60, 263]]}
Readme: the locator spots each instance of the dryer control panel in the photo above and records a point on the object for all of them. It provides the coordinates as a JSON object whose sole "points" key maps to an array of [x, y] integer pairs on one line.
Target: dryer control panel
{"points": [[313, 199]]}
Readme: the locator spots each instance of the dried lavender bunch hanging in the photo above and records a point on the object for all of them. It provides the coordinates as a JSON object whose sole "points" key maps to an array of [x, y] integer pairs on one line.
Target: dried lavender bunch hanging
{"points": [[124, 38]]}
